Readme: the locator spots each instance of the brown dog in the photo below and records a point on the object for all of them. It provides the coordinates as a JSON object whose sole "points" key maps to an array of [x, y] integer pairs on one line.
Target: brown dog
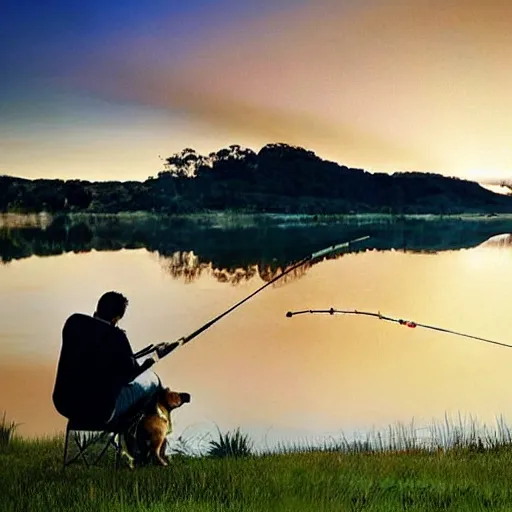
{"points": [[156, 425]]}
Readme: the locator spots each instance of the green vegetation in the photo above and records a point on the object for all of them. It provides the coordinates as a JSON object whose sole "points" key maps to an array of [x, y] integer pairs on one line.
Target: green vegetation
{"points": [[278, 179], [230, 444], [473, 473], [7, 431]]}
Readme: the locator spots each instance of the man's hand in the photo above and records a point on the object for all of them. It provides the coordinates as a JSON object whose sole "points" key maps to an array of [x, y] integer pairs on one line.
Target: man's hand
{"points": [[162, 349], [147, 363]]}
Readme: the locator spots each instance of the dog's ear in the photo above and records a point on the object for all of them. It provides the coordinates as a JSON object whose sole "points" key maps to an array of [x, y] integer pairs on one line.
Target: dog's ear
{"points": [[162, 394]]}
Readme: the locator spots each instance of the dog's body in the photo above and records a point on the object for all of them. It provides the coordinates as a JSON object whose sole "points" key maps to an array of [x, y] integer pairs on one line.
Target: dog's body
{"points": [[156, 425]]}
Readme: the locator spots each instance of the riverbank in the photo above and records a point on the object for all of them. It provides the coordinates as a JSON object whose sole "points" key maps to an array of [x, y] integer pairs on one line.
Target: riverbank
{"points": [[237, 219], [32, 479]]}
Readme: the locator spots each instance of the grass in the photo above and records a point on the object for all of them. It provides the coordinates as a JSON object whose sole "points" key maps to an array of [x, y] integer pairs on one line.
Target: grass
{"points": [[472, 473], [230, 444], [7, 431]]}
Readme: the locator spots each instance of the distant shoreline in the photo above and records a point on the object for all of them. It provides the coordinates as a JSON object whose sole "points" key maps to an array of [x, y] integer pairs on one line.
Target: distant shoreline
{"points": [[370, 217], [279, 179], [15, 218], [234, 220]]}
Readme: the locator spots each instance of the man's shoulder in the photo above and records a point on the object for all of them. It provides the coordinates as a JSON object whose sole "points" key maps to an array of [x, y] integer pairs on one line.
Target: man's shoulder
{"points": [[77, 319], [80, 322]]}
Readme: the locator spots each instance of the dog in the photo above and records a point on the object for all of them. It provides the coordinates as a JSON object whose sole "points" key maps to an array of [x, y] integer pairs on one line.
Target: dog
{"points": [[155, 425]]}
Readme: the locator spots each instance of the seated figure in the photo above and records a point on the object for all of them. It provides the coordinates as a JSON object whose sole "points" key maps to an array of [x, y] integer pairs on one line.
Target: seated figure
{"points": [[98, 377]]}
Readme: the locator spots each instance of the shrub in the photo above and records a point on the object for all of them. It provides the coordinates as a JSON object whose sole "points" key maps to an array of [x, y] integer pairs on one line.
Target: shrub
{"points": [[231, 444]]}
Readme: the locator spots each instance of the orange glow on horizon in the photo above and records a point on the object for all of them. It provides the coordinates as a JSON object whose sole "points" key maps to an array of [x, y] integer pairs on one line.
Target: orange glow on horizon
{"points": [[387, 86]]}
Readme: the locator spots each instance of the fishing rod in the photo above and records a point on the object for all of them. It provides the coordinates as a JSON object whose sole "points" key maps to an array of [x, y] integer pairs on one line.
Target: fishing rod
{"points": [[162, 349], [406, 323]]}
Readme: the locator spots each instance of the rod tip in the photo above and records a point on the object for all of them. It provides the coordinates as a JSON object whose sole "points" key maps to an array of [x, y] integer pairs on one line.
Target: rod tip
{"points": [[289, 314]]}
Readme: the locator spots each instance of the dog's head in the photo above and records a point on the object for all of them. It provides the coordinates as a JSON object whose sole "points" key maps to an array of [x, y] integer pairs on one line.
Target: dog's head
{"points": [[173, 399]]}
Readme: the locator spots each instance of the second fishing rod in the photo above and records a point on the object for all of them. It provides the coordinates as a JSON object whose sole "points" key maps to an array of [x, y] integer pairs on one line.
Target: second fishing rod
{"points": [[400, 321]]}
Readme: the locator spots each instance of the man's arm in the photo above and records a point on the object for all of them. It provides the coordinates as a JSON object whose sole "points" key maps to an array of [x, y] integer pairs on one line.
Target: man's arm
{"points": [[159, 350], [127, 366]]}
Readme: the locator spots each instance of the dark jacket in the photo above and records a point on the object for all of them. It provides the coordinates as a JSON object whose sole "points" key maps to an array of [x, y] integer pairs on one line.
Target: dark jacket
{"points": [[96, 361]]}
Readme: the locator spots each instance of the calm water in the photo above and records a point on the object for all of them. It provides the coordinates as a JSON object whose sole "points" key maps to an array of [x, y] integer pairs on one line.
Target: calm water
{"points": [[279, 379]]}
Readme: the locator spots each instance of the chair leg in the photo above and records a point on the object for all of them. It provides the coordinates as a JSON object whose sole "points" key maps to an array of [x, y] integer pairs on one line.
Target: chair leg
{"points": [[112, 438], [81, 449], [110, 441], [66, 442], [118, 447]]}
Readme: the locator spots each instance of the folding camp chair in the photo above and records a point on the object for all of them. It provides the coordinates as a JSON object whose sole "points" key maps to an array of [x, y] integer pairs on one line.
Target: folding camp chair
{"points": [[87, 434]]}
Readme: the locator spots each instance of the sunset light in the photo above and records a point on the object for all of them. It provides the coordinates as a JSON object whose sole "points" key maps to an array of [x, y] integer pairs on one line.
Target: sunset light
{"points": [[385, 86], [255, 255]]}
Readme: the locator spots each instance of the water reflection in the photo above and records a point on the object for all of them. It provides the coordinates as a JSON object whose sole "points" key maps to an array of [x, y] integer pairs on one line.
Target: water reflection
{"points": [[236, 251], [502, 241], [304, 377], [188, 267]]}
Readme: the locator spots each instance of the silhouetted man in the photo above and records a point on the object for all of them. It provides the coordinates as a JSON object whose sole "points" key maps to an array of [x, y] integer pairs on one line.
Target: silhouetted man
{"points": [[98, 377]]}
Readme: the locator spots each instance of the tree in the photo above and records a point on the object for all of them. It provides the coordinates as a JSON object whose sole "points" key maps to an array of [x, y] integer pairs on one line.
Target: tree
{"points": [[185, 163], [77, 195]]}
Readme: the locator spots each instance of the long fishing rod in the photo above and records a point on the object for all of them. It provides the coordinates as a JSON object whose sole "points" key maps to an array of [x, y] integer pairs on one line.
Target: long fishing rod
{"points": [[407, 323], [165, 348]]}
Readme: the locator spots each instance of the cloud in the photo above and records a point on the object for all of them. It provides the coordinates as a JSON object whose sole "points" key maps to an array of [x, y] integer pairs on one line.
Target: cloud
{"points": [[390, 85], [256, 120]]}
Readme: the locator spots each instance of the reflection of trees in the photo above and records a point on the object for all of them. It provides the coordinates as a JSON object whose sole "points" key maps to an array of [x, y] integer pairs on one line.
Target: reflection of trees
{"points": [[236, 276], [183, 265], [236, 253], [187, 266], [267, 274], [504, 240]]}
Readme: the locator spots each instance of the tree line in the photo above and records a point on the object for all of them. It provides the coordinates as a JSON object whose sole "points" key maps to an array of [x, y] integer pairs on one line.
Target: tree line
{"points": [[279, 179]]}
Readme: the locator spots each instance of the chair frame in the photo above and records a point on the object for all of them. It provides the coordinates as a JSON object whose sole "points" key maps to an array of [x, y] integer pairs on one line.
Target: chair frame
{"points": [[99, 434]]}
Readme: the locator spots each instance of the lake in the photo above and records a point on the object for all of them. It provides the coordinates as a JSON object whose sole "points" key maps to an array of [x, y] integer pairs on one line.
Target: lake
{"points": [[282, 380]]}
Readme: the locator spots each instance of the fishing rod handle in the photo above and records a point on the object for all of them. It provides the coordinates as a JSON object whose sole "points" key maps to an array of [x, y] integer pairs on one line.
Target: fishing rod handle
{"points": [[166, 348]]}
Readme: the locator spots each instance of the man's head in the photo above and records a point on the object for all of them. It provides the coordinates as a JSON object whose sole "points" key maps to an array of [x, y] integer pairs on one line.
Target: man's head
{"points": [[111, 307]]}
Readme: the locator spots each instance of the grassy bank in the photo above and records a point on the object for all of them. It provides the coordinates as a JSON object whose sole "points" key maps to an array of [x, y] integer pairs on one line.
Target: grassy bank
{"points": [[234, 218], [465, 478]]}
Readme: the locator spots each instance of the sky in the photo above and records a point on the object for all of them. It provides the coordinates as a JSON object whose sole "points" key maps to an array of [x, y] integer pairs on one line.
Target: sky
{"points": [[101, 90]]}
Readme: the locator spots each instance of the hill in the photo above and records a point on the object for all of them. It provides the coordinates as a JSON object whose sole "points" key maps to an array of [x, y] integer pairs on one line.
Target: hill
{"points": [[278, 179]]}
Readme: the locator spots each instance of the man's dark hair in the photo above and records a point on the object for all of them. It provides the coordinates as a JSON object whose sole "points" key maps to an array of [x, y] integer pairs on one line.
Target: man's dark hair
{"points": [[110, 305]]}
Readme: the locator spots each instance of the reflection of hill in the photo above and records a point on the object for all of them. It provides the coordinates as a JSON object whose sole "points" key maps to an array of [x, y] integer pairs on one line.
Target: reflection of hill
{"points": [[234, 254], [504, 240], [188, 267]]}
